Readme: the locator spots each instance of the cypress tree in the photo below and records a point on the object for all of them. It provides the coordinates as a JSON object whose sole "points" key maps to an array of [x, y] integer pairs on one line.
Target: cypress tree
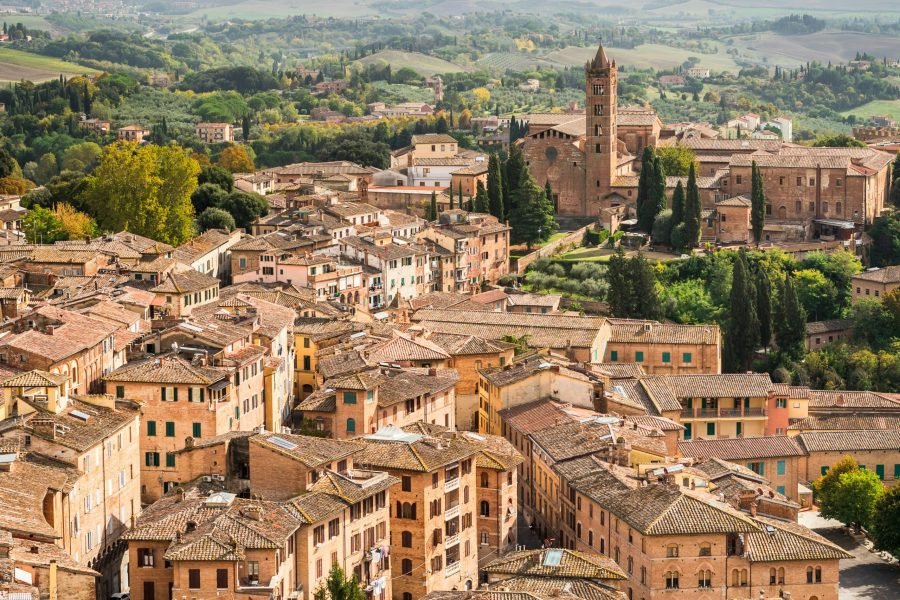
{"points": [[515, 173], [658, 199], [644, 191], [532, 220], [764, 307], [482, 205], [678, 200], [742, 332], [432, 208], [790, 324], [451, 197], [620, 296], [757, 203], [643, 281], [460, 197], [692, 210], [495, 187], [245, 127], [548, 193]]}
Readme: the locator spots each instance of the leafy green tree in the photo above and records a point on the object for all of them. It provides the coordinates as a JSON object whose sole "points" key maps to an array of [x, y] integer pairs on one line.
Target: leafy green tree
{"points": [[678, 202], [495, 187], [841, 140], [46, 169], [839, 268], [532, 218], [621, 292], [886, 522], [216, 176], [676, 160], [81, 157], [679, 237], [742, 333], [757, 203], [42, 227], [207, 195], [357, 145], [873, 323], [662, 227], [826, 486], [693, 210], [764, 307], [689, 302], [143, 189], [245, 207], [339, 587], [817, 294], [215, 218], [854, 498], [790, 322], [885, 234], [8, 165]]}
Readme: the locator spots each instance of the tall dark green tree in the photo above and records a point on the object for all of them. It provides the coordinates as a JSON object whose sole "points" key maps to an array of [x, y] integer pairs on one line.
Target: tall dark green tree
{"points": [[757, 204], [432, 213], [548, 192], [643, 284], [620, 296], [513, 176], [645, 206], [742, 333], [886, 525], [790, 322], [678, 202], [495, 187], [764, 307], [450, 189], [482, 205], [532, 219], [245, 127], [692, 210]]}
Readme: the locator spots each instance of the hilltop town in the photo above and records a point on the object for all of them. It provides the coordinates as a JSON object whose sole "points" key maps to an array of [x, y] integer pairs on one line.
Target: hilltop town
{"points": [[413, 352]]}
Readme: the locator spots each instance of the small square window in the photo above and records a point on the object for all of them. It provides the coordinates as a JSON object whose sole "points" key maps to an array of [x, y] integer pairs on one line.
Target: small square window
{"points": [[666, 357], [638, 356]]}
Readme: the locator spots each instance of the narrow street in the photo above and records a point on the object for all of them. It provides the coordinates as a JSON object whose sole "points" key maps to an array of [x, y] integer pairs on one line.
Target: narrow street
{"points": [[866, 576]]}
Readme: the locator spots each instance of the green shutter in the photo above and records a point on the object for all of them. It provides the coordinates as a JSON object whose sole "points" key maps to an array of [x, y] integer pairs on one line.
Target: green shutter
{"points": [[174, 394], [780, 489], [686, 357], [614, 355], [170, 428], [197, 430], [897, 471], [825, 470], [879, 470], [151, 428], [162, 393], [202, 392], [710, 429], [190, 394], [639, 356], [781, 468], [170, 459], [120, 391], [667, 357]]}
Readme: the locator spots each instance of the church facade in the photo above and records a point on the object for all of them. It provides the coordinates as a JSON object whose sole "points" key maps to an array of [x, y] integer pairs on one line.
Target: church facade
{"points": [[592, 160]]}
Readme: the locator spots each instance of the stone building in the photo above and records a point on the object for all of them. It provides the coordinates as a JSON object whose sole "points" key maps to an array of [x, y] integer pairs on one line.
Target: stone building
{"points": [[877, 450], [435, 508]]}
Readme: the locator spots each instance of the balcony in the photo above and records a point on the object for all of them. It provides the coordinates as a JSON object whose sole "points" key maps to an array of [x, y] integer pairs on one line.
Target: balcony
{"points": [[722, 413], [451, 485], [452, 569], [451, 513], [451, 540]]}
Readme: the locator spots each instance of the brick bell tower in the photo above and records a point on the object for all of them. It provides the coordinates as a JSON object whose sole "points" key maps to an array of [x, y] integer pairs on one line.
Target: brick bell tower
{"points": [[601, 142]]}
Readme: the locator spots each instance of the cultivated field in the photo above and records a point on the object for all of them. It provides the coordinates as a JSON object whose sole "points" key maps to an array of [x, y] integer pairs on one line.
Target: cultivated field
{"points": [[876, 107], [824, 46], [647, 55], [266, 9], [420, 63], [16, 65]]}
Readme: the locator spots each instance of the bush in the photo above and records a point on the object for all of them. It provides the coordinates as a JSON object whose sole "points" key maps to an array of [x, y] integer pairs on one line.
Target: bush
{"points": [[662, 228], [679, 236]]}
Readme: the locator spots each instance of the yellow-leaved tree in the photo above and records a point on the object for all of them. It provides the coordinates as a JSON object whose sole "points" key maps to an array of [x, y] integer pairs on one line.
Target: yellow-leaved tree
{"points": [[76, 224], [236, 159], [144, 189]]}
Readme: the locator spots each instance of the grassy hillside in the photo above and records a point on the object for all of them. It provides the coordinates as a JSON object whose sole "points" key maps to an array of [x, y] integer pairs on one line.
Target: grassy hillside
{"points": [[16, 65], [824, 46], [876, 107], [420, 63]]}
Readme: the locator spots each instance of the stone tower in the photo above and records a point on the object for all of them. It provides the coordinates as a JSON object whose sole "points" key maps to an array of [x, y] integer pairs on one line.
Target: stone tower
{"points": [[600, 148]]}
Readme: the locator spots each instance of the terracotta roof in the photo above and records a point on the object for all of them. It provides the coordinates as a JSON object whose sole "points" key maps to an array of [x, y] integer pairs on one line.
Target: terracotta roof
{"points": [[184, 282], [73, 333], [787, 541], [546, 300], [403, 347], [433, 138], [341, 363], [517, 371], [34, 378], [889, 274], [845, 423], [840, 399], [406, 384], [168, 368], [553, 588], [354, 485], [619, 370], [203, 244], [533, 416], [652, 422], [550, 331], [460, 345], [849, 441], [747, 448], [652, 332], [669, 390], [392, 448], [820, 327], [22, 492], [313, 452], [556, 562], [80, 425]]}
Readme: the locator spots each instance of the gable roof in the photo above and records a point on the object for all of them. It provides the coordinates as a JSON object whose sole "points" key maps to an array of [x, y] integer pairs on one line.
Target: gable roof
{"points": [[747, 448]]}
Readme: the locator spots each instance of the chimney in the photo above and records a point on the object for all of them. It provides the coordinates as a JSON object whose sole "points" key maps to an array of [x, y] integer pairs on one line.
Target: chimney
{"points": [[432, 372], [253, 512], [840, 400], [188, 443], [44, 428], [181, 494]]}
